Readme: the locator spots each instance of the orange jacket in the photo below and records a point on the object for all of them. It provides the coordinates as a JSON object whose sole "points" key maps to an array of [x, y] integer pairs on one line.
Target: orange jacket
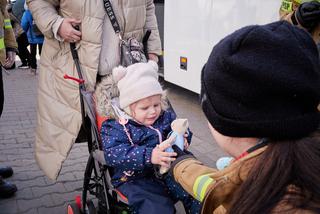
{"points": [[211, 186], [216, 188]]}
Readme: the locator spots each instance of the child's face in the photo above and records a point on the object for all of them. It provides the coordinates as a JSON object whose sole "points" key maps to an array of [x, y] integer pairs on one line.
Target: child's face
{"points": [[147, 110]]}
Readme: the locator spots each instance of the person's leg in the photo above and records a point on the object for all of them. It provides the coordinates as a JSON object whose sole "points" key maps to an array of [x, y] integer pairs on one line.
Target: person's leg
{"points": [[6, 189], [40, 49], [33, 64], [1, 92], [33, 51], [24, 53], [177, 193], [147, 196], [21, 53]]}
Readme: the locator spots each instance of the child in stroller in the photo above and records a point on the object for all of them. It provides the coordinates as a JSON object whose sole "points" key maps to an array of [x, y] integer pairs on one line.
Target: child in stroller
{"points": [[132, 144]]}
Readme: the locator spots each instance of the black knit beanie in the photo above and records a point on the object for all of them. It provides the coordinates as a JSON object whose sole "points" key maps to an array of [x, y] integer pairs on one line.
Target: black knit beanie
{"points": [[263, 81]]}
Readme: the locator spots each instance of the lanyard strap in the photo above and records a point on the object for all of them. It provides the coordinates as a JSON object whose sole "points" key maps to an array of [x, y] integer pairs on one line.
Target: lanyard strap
{"points": [[263, 142], [109, 10]]}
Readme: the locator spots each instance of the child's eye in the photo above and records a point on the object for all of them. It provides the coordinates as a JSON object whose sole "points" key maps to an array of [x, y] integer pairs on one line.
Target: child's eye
{"points": [[156, 105], [144, 108]]}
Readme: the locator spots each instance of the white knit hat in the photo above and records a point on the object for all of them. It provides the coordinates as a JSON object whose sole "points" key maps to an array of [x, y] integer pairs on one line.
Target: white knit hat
{"points": [[136, 82]]}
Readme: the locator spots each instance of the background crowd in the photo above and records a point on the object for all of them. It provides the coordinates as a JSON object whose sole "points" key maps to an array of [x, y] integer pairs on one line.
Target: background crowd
{"points": [[27, 34]]}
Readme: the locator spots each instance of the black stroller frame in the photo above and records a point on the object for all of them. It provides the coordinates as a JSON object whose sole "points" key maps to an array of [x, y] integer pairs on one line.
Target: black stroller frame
{"points": [[97, 174]]}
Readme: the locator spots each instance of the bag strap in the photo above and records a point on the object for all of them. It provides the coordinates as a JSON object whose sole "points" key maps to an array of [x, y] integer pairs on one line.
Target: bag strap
{"points": [[110, 12]]}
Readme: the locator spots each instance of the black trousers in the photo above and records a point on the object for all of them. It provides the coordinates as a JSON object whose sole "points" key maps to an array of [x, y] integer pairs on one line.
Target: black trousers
{"points": [[24, 53], [33, 49], [1, 92]]}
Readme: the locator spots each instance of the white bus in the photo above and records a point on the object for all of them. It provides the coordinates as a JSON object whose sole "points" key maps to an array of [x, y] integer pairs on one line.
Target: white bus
{"points": [[192, 27]]}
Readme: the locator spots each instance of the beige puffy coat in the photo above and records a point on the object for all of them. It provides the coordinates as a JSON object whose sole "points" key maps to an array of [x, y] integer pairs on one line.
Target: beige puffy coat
{"points": [[58, 113]]}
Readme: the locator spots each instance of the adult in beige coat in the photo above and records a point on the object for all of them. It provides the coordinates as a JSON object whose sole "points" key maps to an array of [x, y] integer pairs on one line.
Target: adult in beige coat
{"points": [[58, 114]]}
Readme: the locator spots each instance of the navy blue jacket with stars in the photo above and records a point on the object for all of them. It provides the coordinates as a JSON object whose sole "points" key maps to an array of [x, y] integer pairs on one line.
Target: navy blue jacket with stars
{"points": [[133, 161]]}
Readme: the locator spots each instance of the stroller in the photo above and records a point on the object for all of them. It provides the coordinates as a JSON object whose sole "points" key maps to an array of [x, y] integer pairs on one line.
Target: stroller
{"points": [[97, 176], [97, 180]]}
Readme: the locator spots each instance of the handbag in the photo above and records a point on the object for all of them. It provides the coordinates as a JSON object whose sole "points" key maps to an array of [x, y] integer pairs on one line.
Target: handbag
{"points": [[131, 50]]}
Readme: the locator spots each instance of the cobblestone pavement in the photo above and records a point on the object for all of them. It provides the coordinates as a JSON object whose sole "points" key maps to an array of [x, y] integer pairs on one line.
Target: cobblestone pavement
{"points": [[38, 194]]}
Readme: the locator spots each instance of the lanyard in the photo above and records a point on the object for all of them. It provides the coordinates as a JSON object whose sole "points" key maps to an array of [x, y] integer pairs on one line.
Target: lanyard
{"points": [[263, 142]]}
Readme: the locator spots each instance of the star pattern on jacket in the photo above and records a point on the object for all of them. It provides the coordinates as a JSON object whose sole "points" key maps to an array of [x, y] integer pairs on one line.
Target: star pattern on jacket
{"points": [[126, 158]]}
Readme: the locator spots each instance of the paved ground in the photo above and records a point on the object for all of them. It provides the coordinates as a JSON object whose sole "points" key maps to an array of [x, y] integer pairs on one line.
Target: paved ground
{"points": [[36, 193]]}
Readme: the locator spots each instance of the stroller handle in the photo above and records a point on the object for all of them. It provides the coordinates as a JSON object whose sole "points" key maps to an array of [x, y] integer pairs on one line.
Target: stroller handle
{"points": [[82, 87]]}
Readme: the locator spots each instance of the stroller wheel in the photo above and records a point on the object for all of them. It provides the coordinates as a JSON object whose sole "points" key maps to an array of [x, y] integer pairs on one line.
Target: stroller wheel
{"points": [[73, 209], [91, 207]]}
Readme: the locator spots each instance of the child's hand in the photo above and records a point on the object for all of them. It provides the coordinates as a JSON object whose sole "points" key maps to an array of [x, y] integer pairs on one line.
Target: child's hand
{"points": [[160, 157]]}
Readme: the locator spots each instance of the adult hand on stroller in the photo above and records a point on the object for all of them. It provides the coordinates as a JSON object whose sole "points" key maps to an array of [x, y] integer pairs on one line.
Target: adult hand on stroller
{"points": [[160, 157], [308, 15], [153, 57], [67, 31]]}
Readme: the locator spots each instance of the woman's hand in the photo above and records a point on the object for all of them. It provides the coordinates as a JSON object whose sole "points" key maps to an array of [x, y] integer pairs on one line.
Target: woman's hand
{"points": [[11, 56], [153, 57], [160, 157], [67, 30]]}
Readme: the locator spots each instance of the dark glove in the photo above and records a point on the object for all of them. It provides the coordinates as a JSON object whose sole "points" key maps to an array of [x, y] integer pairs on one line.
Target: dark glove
{"points": [[181, 155], [307, 15], [180, 152]]}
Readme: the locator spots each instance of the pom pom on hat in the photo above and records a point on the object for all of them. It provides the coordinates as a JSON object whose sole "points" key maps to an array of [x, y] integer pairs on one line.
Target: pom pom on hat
{"points": [[140, 81], [118, 73]]}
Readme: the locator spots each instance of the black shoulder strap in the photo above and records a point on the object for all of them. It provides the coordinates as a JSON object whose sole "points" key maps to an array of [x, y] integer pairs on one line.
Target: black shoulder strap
{"points": [[112, 16], [263, 142]]}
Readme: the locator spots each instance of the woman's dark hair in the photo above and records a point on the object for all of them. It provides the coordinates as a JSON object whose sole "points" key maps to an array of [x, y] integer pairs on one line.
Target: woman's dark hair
{"points": [[285, 165]]}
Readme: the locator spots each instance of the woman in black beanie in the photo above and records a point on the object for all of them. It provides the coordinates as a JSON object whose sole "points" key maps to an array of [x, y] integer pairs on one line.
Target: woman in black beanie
{"points": [[259, 91]]}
